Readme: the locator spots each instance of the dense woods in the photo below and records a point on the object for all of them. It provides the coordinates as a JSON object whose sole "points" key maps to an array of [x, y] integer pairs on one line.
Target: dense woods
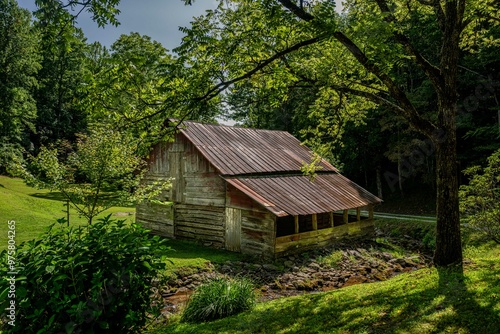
{"points": [[400, 95]]}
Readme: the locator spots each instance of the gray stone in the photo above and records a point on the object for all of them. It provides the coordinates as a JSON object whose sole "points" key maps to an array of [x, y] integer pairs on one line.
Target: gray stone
{"points": [[270, 267]]}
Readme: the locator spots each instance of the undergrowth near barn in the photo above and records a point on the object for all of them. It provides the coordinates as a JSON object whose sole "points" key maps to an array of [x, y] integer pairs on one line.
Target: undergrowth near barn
{"points": [[424, 301]]}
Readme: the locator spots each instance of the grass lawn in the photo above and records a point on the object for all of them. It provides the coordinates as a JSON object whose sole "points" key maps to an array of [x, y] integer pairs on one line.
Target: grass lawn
{"points": [[186, 257], [34, 210], [424, 301]]}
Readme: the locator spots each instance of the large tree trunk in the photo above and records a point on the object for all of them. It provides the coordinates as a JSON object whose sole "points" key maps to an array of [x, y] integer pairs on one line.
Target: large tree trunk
{"points": [[448, 243]]}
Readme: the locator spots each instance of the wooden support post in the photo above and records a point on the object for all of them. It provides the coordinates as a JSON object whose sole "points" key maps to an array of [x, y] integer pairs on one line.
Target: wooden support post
{"points": [[315, 221], [346, 216], [332, 221], [296, 219], [358, 214], [370, 211]]}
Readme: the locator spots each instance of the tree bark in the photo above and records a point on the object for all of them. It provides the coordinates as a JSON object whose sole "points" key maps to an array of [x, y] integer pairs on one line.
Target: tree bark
{"points": [[448, 242], [379, 181]]}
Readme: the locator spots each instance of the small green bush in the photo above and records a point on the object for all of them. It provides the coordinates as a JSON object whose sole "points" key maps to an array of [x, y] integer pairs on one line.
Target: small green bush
{"points": [[218, 299], [480, 199], [94, 279]]}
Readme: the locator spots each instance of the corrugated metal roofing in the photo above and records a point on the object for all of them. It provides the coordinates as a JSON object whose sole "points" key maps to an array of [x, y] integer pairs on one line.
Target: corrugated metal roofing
{"points": [[297, 195], [234, 150]]}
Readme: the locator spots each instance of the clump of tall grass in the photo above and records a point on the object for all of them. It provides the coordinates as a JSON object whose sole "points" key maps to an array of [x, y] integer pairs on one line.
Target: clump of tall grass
{"points": [[220, 298]]}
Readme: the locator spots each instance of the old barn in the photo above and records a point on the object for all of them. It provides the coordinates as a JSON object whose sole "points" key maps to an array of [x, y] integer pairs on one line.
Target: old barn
{"points": [[242, 189]]}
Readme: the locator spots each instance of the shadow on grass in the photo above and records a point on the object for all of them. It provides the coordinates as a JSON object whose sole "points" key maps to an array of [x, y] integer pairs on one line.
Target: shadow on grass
{"points": [[53, 195], [443, 301], [187, 249]]}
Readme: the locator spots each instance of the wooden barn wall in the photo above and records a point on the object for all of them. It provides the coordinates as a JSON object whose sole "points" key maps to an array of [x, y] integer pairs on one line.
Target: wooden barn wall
{"points": [[197, 193], [202, 223], [257, 224], [158, 218]]}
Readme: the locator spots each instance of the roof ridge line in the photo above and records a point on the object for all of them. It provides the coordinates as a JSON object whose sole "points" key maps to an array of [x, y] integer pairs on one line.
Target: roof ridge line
{"points": [[272, 174]]}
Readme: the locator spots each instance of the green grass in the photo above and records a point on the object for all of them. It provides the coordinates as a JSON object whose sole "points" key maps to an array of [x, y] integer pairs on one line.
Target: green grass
{"points": [[424, 301], [34, 210], [332, 260], [186, 257], [219, 298]]}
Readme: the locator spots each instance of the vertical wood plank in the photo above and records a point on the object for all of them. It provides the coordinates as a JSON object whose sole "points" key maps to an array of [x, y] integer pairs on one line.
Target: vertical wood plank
{"points": [[296, 220], [314, 222], [358, 214], [233, 229], [370, 211], [346, 216], [332, 221]]}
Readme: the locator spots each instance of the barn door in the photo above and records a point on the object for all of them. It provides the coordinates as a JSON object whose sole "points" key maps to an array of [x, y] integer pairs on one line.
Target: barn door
{"points": [[233, 229]]}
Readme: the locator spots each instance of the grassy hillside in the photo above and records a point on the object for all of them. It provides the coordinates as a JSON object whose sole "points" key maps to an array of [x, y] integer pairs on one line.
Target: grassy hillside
{"points": [[33, 210], [424, 301]]}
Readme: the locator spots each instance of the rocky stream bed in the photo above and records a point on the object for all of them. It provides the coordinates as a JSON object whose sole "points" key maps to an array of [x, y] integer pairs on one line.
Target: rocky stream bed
{"points": [[334, 267]]}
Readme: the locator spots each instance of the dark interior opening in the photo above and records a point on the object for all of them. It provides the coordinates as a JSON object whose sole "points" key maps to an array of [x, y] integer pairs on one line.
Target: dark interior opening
{"points": [[323, 220], [285, 226]]}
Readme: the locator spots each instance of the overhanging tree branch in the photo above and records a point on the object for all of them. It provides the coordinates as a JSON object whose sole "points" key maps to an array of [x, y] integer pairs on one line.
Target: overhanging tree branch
{"points": [[407, 110], [298, 11], [214, 91], [431, 71]]}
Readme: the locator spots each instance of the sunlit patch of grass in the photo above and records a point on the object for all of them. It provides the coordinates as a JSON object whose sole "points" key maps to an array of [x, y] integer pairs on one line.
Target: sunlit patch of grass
{"points": [[391, 248], [424, 301], [188, 257], [34, 210], [332, 260]]}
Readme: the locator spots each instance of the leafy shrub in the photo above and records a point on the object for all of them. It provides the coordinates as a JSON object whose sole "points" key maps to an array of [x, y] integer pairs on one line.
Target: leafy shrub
{"points": [[480, 199], [218, 299], [94, 279]]}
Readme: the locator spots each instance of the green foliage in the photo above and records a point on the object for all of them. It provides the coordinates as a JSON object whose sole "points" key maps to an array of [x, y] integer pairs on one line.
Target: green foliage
{"points": [[102, 172], [130, 84], [95, 279], [63, 48], [218, 299], [103, 11], [19, 63], [420, 302], [480, 199]]}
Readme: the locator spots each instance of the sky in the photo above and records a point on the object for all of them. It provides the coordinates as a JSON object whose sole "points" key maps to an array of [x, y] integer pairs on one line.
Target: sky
{"points": [[158, 19]]}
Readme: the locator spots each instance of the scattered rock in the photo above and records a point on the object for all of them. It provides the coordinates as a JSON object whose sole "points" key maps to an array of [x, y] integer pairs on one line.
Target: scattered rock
{"points": [[361, 263], [358, 279], [270, 267]]}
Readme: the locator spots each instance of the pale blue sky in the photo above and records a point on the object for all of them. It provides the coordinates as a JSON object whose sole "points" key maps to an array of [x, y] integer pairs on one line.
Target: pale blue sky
{"points": [[159, 19]]}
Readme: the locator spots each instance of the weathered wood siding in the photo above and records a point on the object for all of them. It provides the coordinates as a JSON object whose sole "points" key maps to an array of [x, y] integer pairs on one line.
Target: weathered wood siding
{"points": [[295, 243], [202, 223], [233, 229], [197, 193], [159, 218], [257, 224]]}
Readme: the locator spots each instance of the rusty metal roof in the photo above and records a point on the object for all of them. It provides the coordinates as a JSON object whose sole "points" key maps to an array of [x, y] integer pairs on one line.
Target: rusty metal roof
{"points": [[236, 151], [297, 195]]}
